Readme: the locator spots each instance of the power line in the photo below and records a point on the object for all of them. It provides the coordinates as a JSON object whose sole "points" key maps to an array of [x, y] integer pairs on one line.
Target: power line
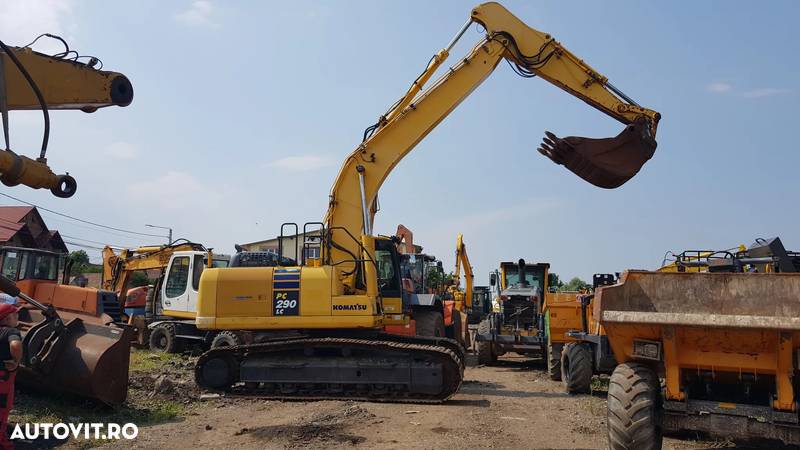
{"points": [[117, 247], [80, 220]]}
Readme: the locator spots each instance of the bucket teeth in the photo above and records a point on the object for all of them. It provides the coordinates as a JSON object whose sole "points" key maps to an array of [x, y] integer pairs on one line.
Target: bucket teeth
{"points": [[607, 163]]}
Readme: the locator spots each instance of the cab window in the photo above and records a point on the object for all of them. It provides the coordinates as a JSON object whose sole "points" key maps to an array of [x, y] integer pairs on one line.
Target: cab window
{"points": [[10, 265], [385, 260], [178, 276], [197, 270]]}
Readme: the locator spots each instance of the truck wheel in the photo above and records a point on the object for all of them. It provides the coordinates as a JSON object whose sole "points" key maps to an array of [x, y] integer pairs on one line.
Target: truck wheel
{"points": [[554, 360], [576, 368], [429, 323], [634, 408], [226, 339], [164, 339], [486, 354]]}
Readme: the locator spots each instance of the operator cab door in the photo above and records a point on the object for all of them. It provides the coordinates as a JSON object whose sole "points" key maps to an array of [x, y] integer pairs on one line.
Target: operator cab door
{"points": [[388, 268], [182, 281]]}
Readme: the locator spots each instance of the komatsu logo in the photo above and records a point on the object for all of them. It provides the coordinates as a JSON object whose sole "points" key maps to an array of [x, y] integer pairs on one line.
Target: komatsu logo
{"points": [[349, 307]]}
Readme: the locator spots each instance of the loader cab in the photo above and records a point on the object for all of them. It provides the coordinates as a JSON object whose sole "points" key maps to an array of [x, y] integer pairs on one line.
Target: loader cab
{"points": [[30, 267]]}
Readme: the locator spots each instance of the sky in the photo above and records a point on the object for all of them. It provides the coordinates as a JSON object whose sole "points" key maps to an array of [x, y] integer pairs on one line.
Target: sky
{"points": [[244, 111]]}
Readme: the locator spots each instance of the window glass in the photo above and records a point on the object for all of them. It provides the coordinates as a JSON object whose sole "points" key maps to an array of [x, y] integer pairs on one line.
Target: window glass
{"points": [[10, 264], [534, 279], [197, 270], [178, 276], [386, 276], [23, 266], [219, 263], [45, 267]]}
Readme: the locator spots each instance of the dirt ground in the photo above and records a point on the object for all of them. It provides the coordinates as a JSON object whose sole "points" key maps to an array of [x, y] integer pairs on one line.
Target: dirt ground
{"points": [[512, 405]]}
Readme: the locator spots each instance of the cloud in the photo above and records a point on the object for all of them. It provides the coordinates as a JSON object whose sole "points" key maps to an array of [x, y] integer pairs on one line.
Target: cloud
{"points": [[718, 87], [174, 191], [765, 92], [305, 163], [22, 21], [199, 14], [123, 150]]}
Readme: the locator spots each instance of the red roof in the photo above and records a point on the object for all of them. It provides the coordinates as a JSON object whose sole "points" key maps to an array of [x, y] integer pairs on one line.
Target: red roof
{"points": [[8, 230], [14, 213]]}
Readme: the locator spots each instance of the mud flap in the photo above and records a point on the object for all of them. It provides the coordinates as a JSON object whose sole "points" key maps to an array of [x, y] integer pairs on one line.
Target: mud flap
{"points": [[607, 163]]}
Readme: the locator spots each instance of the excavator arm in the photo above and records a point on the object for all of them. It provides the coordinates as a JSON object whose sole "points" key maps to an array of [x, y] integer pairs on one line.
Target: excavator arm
{"points": [[606, 163], [31, 80], [463, 260]]}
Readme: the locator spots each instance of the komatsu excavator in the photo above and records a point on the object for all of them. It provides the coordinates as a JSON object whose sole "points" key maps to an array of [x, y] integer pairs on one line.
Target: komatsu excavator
{"points": [[321, 322], [30, 80]]}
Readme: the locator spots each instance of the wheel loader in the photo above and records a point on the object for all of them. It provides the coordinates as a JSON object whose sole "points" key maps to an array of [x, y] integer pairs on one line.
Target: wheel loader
{"points": [[724, 341], [318, 325]]}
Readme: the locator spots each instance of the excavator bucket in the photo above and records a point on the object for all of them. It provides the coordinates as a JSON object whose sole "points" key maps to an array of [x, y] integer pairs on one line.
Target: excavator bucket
{"points": [[77, 354], [606, 163], [71, 352]]}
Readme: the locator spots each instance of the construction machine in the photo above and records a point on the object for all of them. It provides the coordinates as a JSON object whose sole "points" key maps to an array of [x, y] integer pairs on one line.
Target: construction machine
{"points": [[335, 310], [30, 80], [71, 337], [519, 324], [166, 320], [724, 340]]}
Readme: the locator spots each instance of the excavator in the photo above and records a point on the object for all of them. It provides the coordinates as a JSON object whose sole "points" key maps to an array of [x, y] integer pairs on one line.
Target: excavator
{"points": [[30, 80], [71, 342], [166, 323], [320, 325], [462, 300]]}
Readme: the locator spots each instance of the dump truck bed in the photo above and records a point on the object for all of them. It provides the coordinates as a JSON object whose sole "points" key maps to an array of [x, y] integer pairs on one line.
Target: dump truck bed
{"points": [[724, 343]]}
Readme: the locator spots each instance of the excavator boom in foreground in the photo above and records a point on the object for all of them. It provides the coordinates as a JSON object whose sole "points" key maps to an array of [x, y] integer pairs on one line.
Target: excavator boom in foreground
{"points": [[30, 80], [320, 323]]}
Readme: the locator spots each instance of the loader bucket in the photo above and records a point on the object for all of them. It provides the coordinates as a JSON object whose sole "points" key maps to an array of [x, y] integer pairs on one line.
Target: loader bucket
{"points": [[606, 163], [79, 354]]}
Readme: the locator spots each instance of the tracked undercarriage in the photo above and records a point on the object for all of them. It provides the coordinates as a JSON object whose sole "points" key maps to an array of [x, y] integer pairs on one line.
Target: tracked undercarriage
{"points": [[364, 366]]}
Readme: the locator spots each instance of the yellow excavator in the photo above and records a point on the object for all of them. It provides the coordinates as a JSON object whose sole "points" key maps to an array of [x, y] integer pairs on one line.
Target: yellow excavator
{"points": [[320, 323], [462, 300], [30, 80]]}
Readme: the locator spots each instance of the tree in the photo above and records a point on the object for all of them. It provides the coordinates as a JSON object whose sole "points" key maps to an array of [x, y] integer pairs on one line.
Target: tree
{"points": [[553, 282], [575, 284], [139, 278], [80, 261]]}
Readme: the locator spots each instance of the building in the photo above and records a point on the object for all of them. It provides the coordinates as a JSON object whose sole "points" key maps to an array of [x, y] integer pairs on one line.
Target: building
{"points": [[292, 245], [23, 226]]}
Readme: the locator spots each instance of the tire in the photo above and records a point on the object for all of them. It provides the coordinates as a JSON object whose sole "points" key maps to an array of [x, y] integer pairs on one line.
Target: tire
{"points": [[163, 339], [486, 354], [634, 408], [429, 323], [554, 360], [226, 339], [576, 368]]}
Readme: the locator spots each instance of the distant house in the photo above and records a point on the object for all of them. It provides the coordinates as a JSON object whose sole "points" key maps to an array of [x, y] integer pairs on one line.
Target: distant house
{"points": [[23, 226]]}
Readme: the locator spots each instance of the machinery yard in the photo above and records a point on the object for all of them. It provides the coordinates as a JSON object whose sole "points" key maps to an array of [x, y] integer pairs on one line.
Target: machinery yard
{"points": [[515, 399], [282, 312]]}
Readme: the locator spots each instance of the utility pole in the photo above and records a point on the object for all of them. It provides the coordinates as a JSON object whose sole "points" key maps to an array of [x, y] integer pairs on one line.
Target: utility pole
{"points": [[164, 228]]}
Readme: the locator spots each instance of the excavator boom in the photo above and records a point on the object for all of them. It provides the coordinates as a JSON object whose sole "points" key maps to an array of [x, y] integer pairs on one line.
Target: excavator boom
{"points": [[30, 80], [606, 163]]}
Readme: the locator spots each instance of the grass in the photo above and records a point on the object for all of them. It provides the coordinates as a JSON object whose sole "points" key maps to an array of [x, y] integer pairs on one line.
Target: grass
{"points": [[140, 408]]}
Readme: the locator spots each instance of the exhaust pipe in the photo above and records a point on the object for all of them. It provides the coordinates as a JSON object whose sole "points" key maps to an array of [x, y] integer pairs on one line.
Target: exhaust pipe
{"points": [[521, 272]]}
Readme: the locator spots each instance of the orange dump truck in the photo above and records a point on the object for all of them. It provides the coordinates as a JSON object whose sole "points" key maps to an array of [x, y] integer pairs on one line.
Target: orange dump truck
{"points": [[725, 344]]}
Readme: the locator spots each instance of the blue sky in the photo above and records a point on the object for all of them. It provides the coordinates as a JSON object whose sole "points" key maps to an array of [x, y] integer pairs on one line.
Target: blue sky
{"points": [[244, 110]]}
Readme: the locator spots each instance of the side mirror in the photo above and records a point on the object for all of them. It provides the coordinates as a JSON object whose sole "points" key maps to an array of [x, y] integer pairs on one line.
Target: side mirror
{"points": [[493, 279]]}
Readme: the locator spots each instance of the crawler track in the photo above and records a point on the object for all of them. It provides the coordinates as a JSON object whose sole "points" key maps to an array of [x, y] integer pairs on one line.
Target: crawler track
{"points": [[378, 367]]}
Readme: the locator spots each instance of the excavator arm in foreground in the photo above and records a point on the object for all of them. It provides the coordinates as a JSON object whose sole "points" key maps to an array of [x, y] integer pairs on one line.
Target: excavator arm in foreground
{"points": [[31, 80], [606, 163]]}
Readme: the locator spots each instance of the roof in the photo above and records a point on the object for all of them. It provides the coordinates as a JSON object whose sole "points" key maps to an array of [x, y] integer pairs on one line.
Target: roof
{"points": [[8, 230], [14, 213]]}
